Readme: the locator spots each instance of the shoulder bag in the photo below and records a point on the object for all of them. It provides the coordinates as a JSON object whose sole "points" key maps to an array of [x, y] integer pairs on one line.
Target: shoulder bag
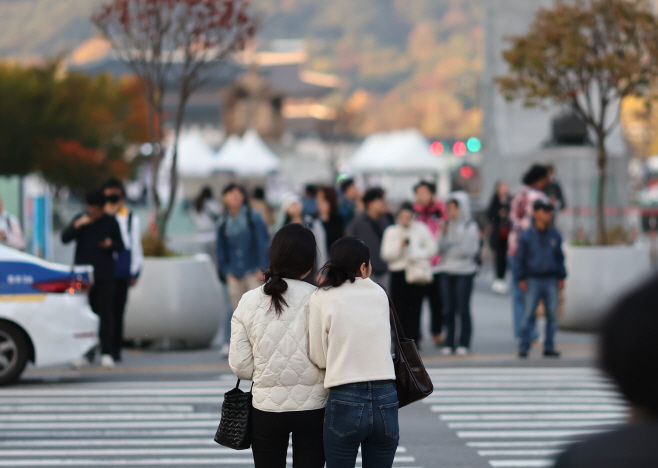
{"points": [[412, 381], [234, 429], [418, 271]]}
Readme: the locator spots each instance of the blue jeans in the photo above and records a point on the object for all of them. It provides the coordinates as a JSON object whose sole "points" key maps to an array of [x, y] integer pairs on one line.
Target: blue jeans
{"points": [[364, 414], [546, 289], [456, 291], [518, 303]]}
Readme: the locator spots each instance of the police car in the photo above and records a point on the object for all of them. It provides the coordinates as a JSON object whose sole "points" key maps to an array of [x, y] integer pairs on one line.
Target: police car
{"points": [[44, 314]]}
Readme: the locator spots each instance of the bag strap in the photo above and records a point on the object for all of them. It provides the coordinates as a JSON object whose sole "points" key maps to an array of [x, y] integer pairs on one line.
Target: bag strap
{"points": [[396, 326]]}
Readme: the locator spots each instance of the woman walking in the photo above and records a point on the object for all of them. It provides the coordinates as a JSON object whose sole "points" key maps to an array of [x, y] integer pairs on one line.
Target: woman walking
{"points": [[332, 221], [408, 247], [269, 342], [498, 214], [350, 337], [458, 248]]}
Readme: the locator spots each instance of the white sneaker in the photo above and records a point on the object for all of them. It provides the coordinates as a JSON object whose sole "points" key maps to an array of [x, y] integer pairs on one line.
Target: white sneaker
{"points": [[446, 351], [79, 363], [500, 287], [107, 362], [224, 351], [462, 351]]}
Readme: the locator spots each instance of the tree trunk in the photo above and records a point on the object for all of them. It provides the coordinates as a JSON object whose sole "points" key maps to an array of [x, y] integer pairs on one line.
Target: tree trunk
{"points": [[602, 162]]}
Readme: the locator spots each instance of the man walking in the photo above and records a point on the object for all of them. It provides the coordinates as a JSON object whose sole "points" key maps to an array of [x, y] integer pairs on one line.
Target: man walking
{"points": [[432, 212], [541, 272], [521, 212], [98, 240], [129, 261], [11, 234], [242, 248], [369, 226]]}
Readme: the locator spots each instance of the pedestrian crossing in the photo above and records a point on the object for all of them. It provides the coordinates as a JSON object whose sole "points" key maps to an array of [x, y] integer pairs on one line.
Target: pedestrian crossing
{"points": [[112, 424], [524, 417]]}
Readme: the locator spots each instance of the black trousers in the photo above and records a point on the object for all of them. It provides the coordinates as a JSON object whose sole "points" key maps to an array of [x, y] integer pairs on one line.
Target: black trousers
{"points": [[270, 433], [408, 301], [500, 252], [433, 292], [120, 299], [101, 300]]}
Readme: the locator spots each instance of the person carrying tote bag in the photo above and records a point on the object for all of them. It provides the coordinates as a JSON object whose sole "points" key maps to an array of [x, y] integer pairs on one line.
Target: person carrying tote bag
{"points": [[408, 247], [362, 410], [269, 345]]}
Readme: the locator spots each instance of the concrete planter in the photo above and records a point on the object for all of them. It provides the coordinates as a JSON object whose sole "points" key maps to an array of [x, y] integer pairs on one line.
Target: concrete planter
{"points": [[176, 300], [597, 276]]}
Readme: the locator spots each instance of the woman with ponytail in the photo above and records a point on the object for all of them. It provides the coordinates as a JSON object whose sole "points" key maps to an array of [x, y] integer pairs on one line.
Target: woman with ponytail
{"points": [[269, 345], [350, 337]]}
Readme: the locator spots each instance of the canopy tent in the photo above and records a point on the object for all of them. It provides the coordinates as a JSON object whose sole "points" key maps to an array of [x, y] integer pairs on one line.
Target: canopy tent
{"points": [[195, 156], [401, 152], [246, 157], [400, 158]]}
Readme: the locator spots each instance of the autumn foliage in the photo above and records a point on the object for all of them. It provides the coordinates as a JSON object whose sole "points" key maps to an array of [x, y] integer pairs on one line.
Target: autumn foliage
{"points": [[590, 55]]}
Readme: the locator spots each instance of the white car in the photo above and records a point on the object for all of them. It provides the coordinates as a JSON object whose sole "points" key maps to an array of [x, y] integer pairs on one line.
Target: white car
{"points": [[45, 317]]}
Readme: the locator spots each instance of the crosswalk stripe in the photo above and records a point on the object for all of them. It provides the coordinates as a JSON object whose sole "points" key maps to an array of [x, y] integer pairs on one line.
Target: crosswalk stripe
{"points": [[110, 425], [531, 424], [520, 463], [96, 408], [620, 416], [517, 444], [524, 434], [111, 417], [522, 408], [519, 453], [517, 399], [512, 385], [128, 400]]}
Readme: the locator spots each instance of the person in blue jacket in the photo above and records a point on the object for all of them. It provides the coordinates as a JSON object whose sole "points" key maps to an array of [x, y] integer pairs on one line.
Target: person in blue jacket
{"points": [[541, 273], [242, 247]]}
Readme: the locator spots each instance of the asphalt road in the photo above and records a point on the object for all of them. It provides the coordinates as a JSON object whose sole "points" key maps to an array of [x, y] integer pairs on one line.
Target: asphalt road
{"points": [[162, 408]]}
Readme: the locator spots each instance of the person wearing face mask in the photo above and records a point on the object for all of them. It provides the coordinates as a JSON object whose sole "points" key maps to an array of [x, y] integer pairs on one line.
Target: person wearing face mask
{"points": [[129, 262], [98, 240]]}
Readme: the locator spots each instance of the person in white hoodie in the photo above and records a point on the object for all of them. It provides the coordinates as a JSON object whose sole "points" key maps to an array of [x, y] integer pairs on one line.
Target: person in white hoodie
{"points": [[350, 337], [458, 248], [408, 246], [269, 345]]}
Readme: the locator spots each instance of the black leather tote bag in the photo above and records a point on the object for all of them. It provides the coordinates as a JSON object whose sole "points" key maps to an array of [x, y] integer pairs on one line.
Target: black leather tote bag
{"points": [[411, 378], [234, 427]]}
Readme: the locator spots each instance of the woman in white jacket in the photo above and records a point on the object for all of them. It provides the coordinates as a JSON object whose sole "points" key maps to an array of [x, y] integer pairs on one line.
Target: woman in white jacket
{"points": [[269, 345], [350, 337], [408, 244]]}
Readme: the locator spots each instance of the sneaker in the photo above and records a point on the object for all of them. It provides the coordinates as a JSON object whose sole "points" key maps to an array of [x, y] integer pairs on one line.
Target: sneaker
{"points": [[500, 287], [551, 353], [80, 363], [523, 354], [446, 351], [107, 362], [462, 351], [224, 351]]}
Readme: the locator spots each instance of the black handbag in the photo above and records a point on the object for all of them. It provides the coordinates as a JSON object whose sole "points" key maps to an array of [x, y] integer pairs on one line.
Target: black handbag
{"points": [[234, 429], [412, 381]]}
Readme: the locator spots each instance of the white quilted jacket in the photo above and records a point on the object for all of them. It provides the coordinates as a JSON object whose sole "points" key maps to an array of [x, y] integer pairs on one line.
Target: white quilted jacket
{"points": [[273, 351]]}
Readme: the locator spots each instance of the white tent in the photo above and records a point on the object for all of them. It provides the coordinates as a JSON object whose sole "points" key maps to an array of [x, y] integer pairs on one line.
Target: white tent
{"points": [[247, 157], [195, 156], [400, 152]]}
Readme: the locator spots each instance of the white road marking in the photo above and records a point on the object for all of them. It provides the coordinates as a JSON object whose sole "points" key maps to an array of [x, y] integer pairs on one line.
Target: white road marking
{"points": [[524, 434], [518, 453], [530, 424], [534, 416], [521, 463], [518, 399], [127, 399], [522, 408], [111, 417], [92, 408], [534, 443]]}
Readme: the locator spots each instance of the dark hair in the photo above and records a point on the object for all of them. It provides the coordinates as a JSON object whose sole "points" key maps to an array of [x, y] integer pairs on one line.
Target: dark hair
{"points": [[431, 186], [345, 184], [372, 194], [454, 201], [406, 206], [259, 193], [114, 183], [204, 194], [331, 196], [311, 190], [292, 254], [346, 257], [628, 351], [95, 198], [535, 173]]}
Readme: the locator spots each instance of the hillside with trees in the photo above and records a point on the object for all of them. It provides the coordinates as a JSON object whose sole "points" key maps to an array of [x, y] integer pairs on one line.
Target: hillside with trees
{"points": [[404, 62]]}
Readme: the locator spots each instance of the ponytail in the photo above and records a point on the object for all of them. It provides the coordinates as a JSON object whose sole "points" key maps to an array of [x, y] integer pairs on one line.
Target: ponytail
{"points": [[292, 255], [275, 286], [347, 256]]}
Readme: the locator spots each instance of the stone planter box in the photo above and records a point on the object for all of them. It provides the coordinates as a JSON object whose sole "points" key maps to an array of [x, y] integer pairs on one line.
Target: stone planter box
{"points": [[176, 300], [597, 276]]}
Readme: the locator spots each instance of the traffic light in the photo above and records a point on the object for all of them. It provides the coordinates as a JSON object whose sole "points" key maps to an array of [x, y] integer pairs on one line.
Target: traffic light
{"points": [[466, 171], [437, 148], [474, 145], [459, 148]]}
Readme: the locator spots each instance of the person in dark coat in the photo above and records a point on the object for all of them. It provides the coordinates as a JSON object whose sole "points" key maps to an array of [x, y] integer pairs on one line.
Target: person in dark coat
{"points": [[629, 356], [332, 221], [369, 226], [498, 217], [98, 239]]}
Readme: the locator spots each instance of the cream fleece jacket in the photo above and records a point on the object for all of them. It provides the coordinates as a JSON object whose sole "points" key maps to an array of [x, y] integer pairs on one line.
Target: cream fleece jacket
{"points": [[422, 245], [350, 333]]}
